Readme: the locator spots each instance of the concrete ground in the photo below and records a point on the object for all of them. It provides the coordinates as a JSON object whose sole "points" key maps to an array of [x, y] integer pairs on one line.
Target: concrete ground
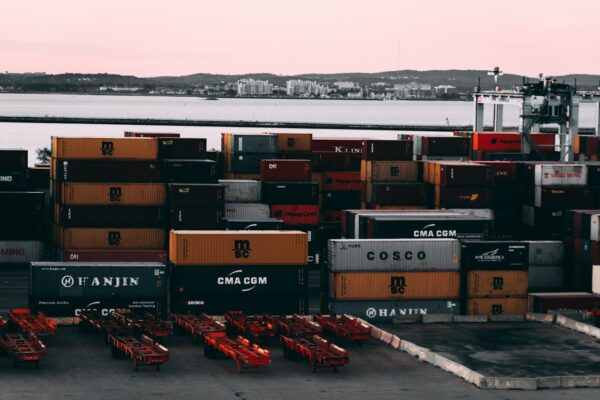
{"points": [[81, 366], [523, 349]]}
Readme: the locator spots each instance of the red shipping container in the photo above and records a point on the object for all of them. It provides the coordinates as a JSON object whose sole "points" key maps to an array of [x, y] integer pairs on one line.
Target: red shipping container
{"points": [[337, 145], [114, 256], [502, 171], [296, 214], [510, 142], [286, 170], [336, 161], [342, 181]]}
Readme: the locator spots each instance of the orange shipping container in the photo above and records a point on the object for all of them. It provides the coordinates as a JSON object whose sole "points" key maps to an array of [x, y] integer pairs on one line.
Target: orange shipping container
{"points": [[115, 194], [238, 248], [105, 148], [503, 306], [394, 285], [399, 171], [294, 142], [109, 238], [497, 284]]}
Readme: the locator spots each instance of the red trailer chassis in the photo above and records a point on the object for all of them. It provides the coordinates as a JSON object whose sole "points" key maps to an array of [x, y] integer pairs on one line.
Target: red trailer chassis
{"points": [[296, 326], [345, 327], [256, 326], [320, 352], [143, 351], [23, 347], [204, 325], [148, 324], [2, 323], [27, 322], [246, 355]]}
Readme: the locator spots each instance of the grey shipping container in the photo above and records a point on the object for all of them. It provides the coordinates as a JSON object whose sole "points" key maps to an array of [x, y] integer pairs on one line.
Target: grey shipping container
{"points": [[546, 277], [59, 280], [390, 255], [247, 211], [242, 191], [21, 252], [74, 306], [254, 143], [386, 311], [14, 286], [546, 252]]}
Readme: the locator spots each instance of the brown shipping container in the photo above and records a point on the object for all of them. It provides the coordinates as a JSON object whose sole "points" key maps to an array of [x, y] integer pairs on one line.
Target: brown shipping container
{"points": [[126, 194], [294, 142], [461, 174], [398, 171], [398, 193], [110, 238], [395, 285], [105, 148], [504, 306], [463, 197], [238, 248], [497, 284]]}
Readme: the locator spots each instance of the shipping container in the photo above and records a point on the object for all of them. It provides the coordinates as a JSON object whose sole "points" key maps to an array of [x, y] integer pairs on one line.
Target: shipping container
{"points": [[500, 306], [504, 283], [398, 193], [596, 279], [386, 255], [387, 150], [116, 194], [388, 171], [510, 142], [593, 170], [289, 170], [238, 248], [294, 142], [21, 202], [564, 197], [326, 231], [458, 174], [219, 305], [122, 171], [494, 255], [190, 171], [290, 192], [384, 311], [549, 221], [74, 306], [546, 252], [13, 159], [237, 281], [546, 277], [182, 148], [442, 146], [72, 148], [110, 238], [435, 227], [336, 161], [247, 211], [580, 301], [197, 218], [266, 224], [246, 163], [303, 214], [157, 256], [341, 181], [38, 177], [13, 180], [242, 191], [337, 145], [340, 200], [21, 252], [554, 174], [394, 285], [151, 134], [241, 143], [502, 171], [196, 195], [108, 216]]}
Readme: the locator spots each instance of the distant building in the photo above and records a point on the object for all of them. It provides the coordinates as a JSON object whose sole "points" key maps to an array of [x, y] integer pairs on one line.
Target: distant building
{"points": [[413, 91], [119, 89], [444, 89], [298, 87], [346, 85], [250, 87]]}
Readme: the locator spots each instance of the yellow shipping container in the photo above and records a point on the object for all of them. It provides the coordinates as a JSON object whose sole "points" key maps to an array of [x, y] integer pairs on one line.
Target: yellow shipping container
{"points": [[110, 238], [501, 306], [104, 148], [394, 285], [497, 283], [238, 248], [113, 194], [294, 142]]}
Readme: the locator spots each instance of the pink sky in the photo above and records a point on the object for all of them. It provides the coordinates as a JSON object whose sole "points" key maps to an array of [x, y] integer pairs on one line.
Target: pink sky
{"points": [[178, 37]]}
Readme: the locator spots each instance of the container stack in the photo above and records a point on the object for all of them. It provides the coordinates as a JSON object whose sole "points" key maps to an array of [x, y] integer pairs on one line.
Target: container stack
{"points": [[242, 154], [380, 280], [459, 184], [495, 278], [109, 200], [583, 238], [546, 266], [252, 271], [437, 148], [548, 191], [507, 146], [586, 148]]}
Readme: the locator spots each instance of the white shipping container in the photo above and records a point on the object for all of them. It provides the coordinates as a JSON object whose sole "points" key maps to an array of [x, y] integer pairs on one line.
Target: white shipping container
{"points": [[247, 211], [21, 252], [390, 255], [241, 191], [545, 277], [560, 175], [546, 252], [596, 279]]}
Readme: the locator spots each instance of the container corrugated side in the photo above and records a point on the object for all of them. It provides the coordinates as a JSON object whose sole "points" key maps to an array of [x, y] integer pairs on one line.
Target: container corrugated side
{"points": [[131, 194], [242, 191], [546, 252], [110, 238], [497, 283], [21, 252], [382, 311], [596, 279], [247, 211], [238, 248], [560, 175], [394, 285], [500, 306], [388, 171], [546, 277], [394, 255], [104, 148]]}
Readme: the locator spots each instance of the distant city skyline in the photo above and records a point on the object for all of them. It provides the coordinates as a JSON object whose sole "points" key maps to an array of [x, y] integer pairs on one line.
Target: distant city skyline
{"points": [[154, 38]]}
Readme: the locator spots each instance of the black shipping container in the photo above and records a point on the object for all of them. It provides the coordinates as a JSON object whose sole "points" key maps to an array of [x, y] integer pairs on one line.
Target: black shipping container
{"points": [[13, 180], [38, 178], [197, 218], [62, 280], [22, 228], [544, 224], [445, 146], [108, 216], [196, 195], [282, 305], [326, 231], [190, 171], [399, 193], [182, 148], [290, 192], [74, 306], [565, 197], [463, 197], [466, 227], [248, 163], [13, 159], [268, 224], [249, 281], [217, 157], [593, 174], [387, 150], [122, 171], [340, 200], [494, 255], [330, 161], [18, 202]]}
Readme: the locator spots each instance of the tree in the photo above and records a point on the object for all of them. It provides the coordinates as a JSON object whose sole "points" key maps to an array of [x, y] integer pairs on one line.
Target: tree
{"points": [[43, 155]]}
